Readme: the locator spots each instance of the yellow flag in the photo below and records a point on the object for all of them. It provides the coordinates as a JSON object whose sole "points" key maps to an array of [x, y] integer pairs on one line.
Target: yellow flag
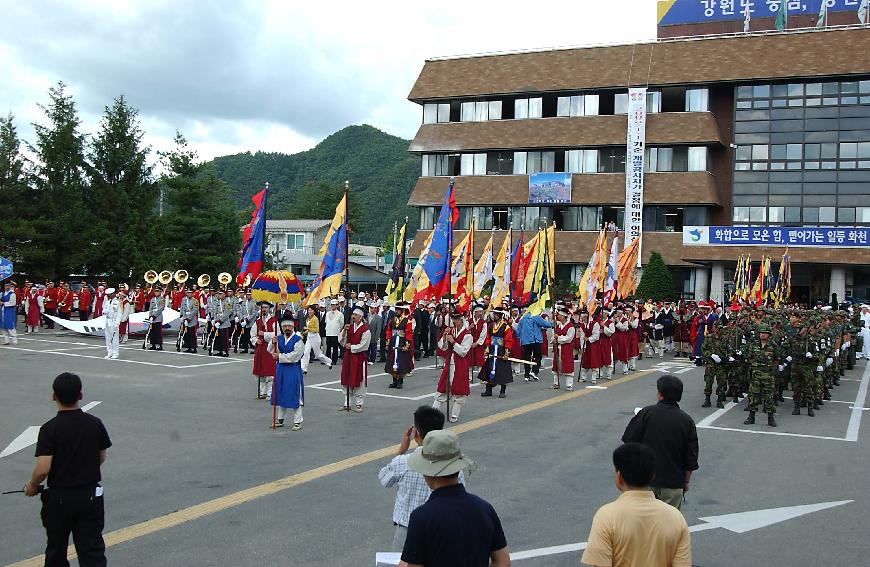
{"points": [[501, 274], [483, 269]]}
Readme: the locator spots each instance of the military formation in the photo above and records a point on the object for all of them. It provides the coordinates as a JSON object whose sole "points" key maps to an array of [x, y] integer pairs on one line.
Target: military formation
{"points": [[763, 353]]}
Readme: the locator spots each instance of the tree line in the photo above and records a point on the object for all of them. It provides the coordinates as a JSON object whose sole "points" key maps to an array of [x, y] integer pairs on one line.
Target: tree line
{"points": [[93, 205]]}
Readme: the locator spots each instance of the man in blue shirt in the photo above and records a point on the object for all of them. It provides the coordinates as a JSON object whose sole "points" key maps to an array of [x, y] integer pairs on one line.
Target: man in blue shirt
{"points": [[453, 528], [531, 334]]}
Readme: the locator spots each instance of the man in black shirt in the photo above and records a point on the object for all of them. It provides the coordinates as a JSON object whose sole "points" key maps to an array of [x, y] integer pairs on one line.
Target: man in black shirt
{"points": [[69, 451], [671, 434], [453, 528]]}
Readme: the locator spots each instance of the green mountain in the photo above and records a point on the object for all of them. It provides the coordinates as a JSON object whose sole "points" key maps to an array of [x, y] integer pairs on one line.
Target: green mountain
{"points": [[381, 173]]}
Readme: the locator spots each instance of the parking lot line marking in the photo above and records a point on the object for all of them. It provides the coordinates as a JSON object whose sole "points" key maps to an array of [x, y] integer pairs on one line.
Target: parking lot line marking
{"points": [[780, 433], [707, 421], [857, 408], [179, 517], [94, 357]]}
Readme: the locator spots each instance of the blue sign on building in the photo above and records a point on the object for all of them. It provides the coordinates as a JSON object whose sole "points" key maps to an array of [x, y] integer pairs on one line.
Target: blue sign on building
{"points": [[794, 236], [700, 11]]}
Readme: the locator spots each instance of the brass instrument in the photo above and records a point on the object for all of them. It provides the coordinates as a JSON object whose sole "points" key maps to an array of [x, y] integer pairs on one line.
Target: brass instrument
{"points": [[203, 280], [165, 277], [180, 276], [224, 278], [151, 277]]}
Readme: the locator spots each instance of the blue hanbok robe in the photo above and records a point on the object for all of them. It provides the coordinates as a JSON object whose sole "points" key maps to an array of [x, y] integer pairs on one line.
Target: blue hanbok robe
{"points": [[7, 310], [289, 389]]}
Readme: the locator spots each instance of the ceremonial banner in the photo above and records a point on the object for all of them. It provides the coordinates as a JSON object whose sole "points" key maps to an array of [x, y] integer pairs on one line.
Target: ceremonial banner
{"points": [[5, 268], [253, 240], [813, 237], [549, 188], [634, 161], [671, 12]]}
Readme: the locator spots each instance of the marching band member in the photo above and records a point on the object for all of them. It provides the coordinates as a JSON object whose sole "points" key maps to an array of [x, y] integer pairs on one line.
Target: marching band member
{"points": [[124, 325], [33, 310], [64, 301], [563, 335], [111, 308], [289, 391], [8, 317], [458, 342], [202, 300], [590, 361], [355, 338], [85, 300], [247, 315], [502, 342], [608, 328], [189, 310], [236, 300], [99, 299], [222, 321], [264, 329], [177, 296], [155, 315], [478, 332], [312, 340], [137, 299], [633, 337], [50, 303], [399, 356]]}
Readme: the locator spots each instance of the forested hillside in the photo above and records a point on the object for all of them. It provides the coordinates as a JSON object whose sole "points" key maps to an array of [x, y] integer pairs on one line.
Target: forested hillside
{"points": [[305, 185]]}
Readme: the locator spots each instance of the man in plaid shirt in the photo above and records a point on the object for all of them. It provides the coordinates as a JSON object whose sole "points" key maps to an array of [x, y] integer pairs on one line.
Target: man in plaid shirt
{"points": [[413, 491]]}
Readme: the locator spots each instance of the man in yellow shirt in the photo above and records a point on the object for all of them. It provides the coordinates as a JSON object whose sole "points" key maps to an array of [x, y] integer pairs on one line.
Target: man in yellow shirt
{"points": [[636, 530]]}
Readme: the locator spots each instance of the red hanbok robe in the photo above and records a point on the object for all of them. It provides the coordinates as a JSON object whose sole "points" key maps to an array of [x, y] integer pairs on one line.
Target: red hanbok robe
{"points": [[621, 340], [592, 352], [461, 358], [33, 311], [355, 365], [99, 296], [264, 364], [566, 349], [606, 342], [515, 347], [478, 350], [545, 346]]}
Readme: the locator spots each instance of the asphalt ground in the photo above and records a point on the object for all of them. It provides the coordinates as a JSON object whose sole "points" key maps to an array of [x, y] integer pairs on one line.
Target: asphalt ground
{"points": [[195, 475]]}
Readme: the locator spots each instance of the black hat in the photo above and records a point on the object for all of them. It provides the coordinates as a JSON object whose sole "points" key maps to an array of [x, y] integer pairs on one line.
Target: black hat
{"points": [[262, 303]]}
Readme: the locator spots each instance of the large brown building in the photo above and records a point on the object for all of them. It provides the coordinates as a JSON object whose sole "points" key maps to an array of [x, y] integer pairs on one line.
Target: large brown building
{"points": [[766, 129]]}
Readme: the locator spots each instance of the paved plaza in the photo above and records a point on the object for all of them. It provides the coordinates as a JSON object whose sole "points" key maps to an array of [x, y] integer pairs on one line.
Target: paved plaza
{"points": [[196, 476]]}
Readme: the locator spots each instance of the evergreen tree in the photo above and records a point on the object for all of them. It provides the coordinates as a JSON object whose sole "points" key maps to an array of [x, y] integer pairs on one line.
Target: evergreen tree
{"points": [[200, 230], [123, 192], [61, 240], [656, 283], [15, 214]]}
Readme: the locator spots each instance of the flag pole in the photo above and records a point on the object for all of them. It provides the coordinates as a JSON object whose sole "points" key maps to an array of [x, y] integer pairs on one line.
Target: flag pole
{"points": [[347, 273], [403, 256], [265, 234], [448, 384]]}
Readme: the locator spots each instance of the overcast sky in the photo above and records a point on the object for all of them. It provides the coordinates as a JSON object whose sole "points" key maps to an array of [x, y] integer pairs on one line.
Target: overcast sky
{"points": [[251, 75]]}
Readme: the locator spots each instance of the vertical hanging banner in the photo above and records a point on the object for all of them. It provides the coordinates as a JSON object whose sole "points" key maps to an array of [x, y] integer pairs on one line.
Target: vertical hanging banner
{"points": [[634, 162]]}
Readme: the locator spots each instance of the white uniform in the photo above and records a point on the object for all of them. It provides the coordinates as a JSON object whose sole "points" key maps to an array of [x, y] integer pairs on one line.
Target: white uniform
{"points": [[865, 334], [112, 312]]}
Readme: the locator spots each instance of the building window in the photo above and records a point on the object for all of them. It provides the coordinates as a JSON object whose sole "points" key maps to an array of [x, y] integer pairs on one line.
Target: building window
{"points": [[500, 163], [520, 163], [483, 218], [427, 218], [528, 107], [433, 112], [862, 214], [741, 215], [540, 162], [296, 242], [500, 220], [612, 160], [581, 161], [697, 100], [827, 215], [473, 164], [620, 103], [440, 165]]}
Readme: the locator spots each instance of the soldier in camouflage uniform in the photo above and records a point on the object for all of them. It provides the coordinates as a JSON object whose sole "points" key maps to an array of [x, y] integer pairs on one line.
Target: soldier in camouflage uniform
{"points": [[712, 351], [763, 358], [802, 359]]}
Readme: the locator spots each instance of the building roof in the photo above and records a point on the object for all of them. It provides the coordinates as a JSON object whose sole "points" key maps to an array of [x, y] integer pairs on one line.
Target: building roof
{"points": [[805, 53], [297, 224]]}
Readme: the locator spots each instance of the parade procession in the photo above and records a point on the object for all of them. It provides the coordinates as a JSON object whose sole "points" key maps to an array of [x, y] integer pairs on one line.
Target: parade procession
{"points": [[485, 321]]}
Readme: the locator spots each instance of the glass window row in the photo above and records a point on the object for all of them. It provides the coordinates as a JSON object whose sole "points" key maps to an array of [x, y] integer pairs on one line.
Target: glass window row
{"points": [[599, 160], [801, 215], [549, 105], [567, 217]]}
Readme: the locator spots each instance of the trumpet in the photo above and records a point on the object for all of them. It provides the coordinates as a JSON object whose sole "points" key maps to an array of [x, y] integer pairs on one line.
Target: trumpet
{"points": [[203, 280], [165, 277], [180, 276]]}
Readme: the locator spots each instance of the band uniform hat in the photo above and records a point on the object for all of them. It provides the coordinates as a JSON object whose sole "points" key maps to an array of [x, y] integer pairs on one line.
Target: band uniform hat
{"points": [[333, 302], [359, 311], [456, 314], [262, 303], [440, 455], [110, 291]]}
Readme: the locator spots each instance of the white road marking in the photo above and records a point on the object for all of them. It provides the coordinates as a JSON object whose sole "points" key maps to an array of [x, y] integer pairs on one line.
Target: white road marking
{"points": [[175, 366], [857, 408], [708, 421], [739, 523], [31, 434], [780, 433]]}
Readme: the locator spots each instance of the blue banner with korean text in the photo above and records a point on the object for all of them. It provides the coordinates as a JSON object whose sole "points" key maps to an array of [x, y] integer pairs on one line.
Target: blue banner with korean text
{"points": [[672, 12], [794, 236]]}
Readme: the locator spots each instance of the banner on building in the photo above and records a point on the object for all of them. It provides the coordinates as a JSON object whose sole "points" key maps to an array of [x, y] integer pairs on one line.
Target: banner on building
{"points": [[549, 188], [634, 157], [674, 12], [793, 236]]}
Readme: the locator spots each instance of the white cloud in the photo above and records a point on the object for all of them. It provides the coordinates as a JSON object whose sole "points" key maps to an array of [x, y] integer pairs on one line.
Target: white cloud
{"points": [[272, 76]]}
